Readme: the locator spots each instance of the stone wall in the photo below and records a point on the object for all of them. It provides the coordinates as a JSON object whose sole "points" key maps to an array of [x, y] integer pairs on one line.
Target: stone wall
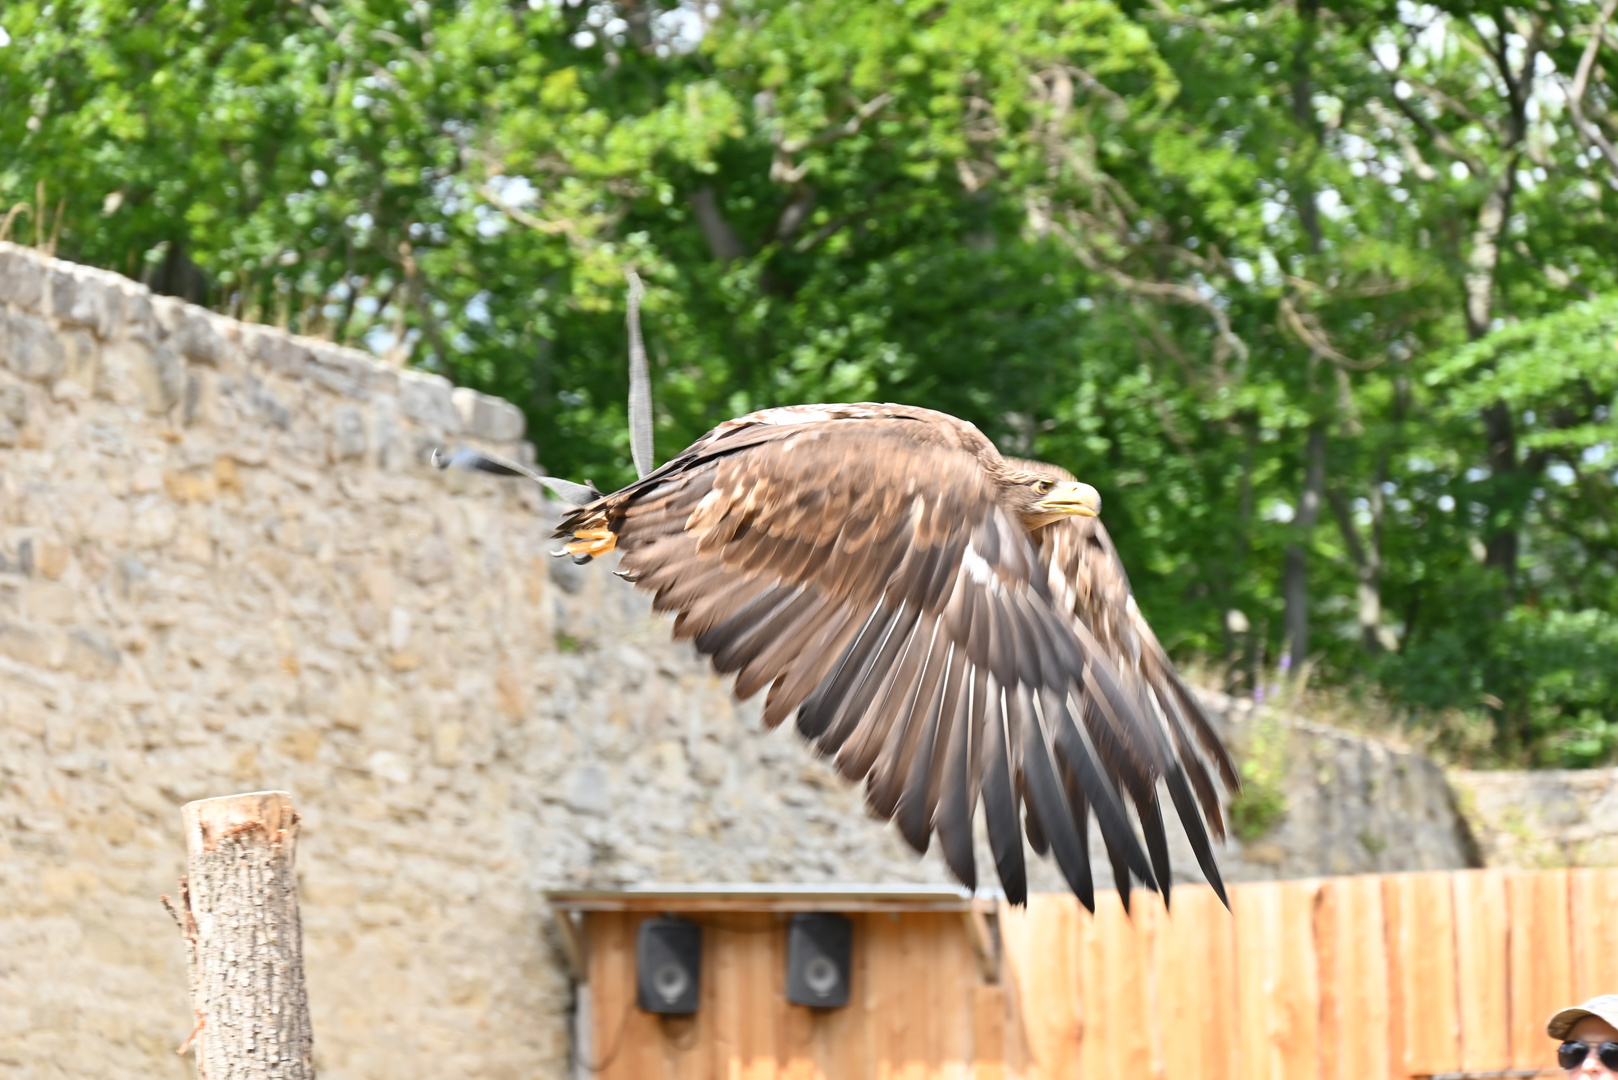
{"points": [[226, 566], [1351, 805], [1542, 819]]}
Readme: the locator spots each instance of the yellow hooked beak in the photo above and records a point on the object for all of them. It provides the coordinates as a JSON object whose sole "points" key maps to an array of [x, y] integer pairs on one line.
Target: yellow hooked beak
{"points": [[1070, 499]]}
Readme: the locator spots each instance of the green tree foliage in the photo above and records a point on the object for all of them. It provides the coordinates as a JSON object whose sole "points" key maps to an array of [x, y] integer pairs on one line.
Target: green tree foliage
{"points": [[1320, 295]]}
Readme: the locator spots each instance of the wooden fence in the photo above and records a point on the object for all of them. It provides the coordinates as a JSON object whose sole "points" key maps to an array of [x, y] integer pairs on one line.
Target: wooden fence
{"points": [[1398, 976]]}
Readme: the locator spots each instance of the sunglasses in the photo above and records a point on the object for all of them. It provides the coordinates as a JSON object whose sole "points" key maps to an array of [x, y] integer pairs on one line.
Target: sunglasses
{"points": [[1572, 1054]]}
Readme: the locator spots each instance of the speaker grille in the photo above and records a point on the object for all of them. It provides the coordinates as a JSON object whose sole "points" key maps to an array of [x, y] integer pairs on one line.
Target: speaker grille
{"points": [[819, 954], [668, 966]]}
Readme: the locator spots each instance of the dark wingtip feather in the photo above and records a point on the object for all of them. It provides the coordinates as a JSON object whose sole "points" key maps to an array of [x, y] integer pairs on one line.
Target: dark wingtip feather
{"points": [[1104, 799], [1218, 885], [1045, 791], [1008, 863], [1185, 804], [911, 816], [1120, 871], [1005, 838], [1157, 841], [1081, 822], [959, 855], [1034, 830]]}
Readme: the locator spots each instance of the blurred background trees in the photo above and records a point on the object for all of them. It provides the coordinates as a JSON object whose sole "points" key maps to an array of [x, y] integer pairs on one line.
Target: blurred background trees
{"points": [[1323, 296]]}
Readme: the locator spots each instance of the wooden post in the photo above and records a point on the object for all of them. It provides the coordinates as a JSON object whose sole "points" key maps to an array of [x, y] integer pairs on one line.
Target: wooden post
{"points": [[238, 911]]}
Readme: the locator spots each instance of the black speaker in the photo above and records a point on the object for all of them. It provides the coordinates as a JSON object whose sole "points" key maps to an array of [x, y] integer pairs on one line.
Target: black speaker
{"points": [[819, 953], [668, 966]]}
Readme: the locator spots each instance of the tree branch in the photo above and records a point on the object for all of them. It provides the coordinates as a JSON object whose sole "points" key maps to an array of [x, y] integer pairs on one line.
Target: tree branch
{"points": [[722, 240], [1309, 331], [782, 169], [564, 227], [1592, 132], [1438, 135], [1226, 340]]}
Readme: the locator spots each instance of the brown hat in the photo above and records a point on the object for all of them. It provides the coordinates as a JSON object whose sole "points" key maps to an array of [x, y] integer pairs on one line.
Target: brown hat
{"points": [[1562, 1021]]}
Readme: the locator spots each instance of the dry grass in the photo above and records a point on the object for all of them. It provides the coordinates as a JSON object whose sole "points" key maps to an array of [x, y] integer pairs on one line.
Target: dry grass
{"points": [[1449, 736]]}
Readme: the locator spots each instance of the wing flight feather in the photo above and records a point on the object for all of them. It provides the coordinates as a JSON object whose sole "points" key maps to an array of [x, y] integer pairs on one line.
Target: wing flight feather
{"points": [[862, 569]]}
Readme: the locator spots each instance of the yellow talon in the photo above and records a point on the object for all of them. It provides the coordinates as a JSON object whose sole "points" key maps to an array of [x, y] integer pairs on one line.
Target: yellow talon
{"points": [[593, 543]]}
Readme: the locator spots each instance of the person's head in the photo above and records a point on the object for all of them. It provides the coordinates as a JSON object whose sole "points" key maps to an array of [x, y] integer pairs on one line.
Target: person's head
{"points": [[1588, 1035]]}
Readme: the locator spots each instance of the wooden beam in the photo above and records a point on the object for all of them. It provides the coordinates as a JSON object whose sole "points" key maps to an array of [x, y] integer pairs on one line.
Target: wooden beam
{"points": [[981, 936], [750, 898], [570, 932]]}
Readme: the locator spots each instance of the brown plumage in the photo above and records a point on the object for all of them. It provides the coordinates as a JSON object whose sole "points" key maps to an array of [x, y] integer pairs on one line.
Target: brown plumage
{"points": [[946, 623]]}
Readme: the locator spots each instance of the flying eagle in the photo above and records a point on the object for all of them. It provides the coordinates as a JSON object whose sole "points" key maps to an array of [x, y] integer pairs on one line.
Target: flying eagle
{"points": [[944, 622]]}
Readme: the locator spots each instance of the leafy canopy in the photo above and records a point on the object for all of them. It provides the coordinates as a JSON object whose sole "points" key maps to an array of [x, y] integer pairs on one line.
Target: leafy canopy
{"points": [[1320, 295]]}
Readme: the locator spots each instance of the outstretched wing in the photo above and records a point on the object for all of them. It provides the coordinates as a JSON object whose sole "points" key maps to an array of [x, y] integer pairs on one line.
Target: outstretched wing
{"points": [[864, 571], [1087, 578]]}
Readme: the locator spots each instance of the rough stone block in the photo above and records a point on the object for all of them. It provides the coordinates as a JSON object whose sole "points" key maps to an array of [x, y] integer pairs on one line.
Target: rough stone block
{"points": [[90, 655], [429, 399], [27, 645], [348, 433], [78, 300], [265, 405], [22, 279], [154, 523], [48, 601], [159, 375], [138, 313], [486, 417], [337, 370], [429, 561], [31, 349], [13, 404], [392, 449], [82, 353], [588, 790], [276, 351], [196, 338]]}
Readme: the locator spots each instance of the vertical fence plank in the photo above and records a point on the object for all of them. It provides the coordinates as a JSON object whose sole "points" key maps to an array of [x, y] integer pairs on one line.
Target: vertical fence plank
{"points": [[950, 1025], [603, 944], [890, 1017], [845, 1049], [1421, 953], [1593, 907], [1350, 935], [1112, 976], [1482, 969], [722, 1001], [1277, 985], [1046, 974], [1541, 960], [1014, 950], [1150, 921], [1194, 976], [758, 942], [990, 1052], [623, 1033]]}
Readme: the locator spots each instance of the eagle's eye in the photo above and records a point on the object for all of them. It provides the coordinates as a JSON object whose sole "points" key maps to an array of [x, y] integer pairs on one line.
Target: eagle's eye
{"points": [[1043, 487]]}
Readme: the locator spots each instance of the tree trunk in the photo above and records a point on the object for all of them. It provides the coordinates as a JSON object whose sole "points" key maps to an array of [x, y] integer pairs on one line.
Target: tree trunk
{"points": [[1499, 427], [1303, 114], [1367, 566], [1482, 268], [239, 913], [1295, 576]]}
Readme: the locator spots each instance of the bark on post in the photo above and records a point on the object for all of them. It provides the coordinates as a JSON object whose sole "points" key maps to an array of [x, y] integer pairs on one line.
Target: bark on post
{"points": [[238, 911]]}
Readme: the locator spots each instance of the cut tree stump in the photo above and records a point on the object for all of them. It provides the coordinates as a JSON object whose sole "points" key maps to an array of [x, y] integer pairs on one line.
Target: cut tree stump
{"points": [[238, 911]]}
